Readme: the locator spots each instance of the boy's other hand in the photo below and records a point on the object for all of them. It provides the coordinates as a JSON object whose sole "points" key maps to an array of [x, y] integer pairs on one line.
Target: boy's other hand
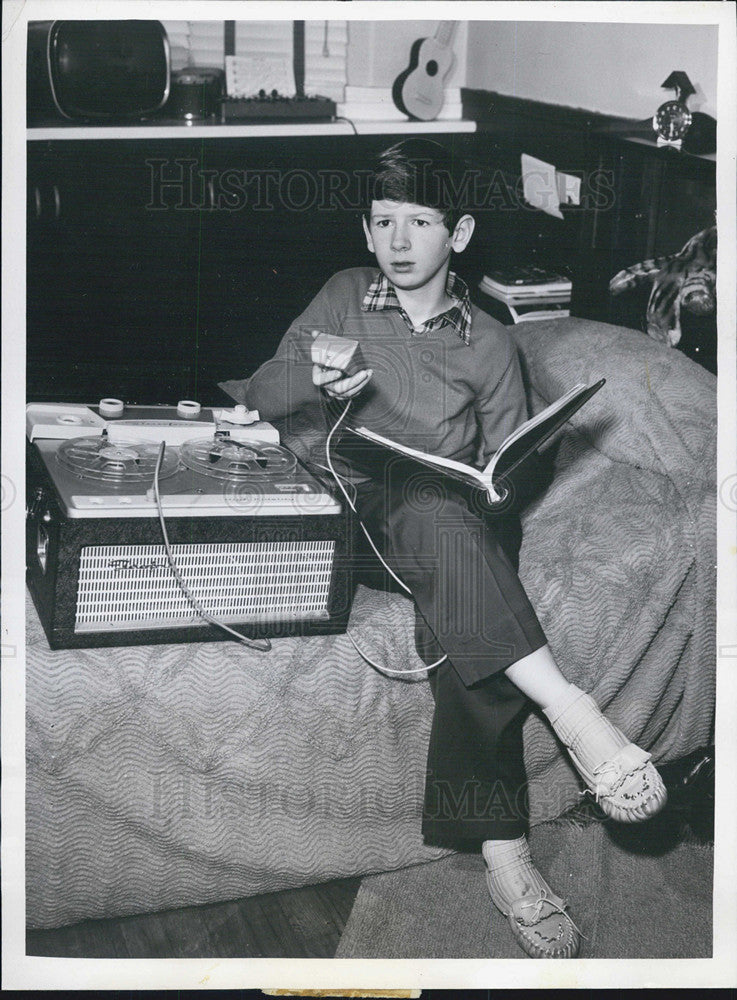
{"points": [[335, 382]]}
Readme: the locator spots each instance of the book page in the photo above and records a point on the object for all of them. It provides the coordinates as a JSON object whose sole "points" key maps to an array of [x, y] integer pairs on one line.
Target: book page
{"points": [[423, 456]]}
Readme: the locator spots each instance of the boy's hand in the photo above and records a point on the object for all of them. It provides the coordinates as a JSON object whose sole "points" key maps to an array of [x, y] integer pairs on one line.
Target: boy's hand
{"points": [[335, 383]]}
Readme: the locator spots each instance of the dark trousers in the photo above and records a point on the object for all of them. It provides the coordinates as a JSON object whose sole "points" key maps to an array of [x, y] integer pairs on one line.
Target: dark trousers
{"points": [[460, 564]]}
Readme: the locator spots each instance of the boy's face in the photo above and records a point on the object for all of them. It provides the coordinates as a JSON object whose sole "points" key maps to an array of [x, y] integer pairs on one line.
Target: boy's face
{"points": [[410, 241]]}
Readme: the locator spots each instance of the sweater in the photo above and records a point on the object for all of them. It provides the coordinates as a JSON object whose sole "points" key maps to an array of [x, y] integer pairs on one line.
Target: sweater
{"points": [[430, 391]]}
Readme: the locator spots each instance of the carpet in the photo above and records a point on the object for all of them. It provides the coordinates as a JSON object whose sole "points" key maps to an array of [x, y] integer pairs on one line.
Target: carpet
{"points": [[632, 895]]}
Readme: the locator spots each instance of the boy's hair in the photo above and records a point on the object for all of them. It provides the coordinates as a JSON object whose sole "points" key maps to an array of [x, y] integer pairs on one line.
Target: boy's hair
{"points": [[422, 172]]}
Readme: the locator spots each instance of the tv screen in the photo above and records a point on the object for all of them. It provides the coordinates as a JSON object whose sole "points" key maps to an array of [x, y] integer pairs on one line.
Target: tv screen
{"points": [[99, 69]]}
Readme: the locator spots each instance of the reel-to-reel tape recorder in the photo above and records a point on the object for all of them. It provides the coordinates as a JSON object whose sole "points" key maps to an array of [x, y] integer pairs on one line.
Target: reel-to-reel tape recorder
{"points": [[258, 541]]}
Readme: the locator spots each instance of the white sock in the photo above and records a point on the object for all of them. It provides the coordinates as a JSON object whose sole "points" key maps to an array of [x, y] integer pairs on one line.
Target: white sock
{"points": [[581, 725], [512, 873]]}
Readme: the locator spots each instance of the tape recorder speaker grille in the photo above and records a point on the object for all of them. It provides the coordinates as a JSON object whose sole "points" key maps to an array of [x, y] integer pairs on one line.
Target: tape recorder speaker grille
{"points": [[121, 586]]}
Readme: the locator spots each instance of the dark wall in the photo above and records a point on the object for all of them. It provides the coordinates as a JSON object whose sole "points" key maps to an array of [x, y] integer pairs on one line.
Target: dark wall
{"points": [[157, 268]]}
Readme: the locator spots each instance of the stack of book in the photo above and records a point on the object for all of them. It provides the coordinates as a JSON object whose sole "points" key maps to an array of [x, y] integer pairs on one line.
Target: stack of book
{"points": [[529, 292]]}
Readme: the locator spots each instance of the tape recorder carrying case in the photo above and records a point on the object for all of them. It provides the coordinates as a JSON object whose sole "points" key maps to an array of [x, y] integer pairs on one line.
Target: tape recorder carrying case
{"points": [[259, 542]]}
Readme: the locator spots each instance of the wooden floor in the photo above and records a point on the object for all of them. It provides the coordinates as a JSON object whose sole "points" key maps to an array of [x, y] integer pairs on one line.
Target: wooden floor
{"points": [[296, 923]]}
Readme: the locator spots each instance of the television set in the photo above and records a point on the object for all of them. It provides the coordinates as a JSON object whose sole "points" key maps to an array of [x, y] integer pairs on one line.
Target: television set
{"points": [[96, 71]]}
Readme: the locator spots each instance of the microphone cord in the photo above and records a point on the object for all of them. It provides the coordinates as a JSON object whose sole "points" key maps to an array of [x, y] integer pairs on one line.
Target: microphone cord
{"points": [[384, 670], [262, 645]]}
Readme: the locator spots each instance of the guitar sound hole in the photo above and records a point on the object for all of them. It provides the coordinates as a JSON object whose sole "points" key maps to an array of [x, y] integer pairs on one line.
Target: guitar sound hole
{"points": [[431, 68]]}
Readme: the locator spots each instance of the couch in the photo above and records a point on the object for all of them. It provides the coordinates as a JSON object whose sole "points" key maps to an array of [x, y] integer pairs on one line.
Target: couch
{"points": [[166, 776]]}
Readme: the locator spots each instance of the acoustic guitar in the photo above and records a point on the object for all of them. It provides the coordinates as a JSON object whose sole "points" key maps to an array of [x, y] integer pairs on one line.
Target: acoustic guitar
{"points": [[418, 90]]}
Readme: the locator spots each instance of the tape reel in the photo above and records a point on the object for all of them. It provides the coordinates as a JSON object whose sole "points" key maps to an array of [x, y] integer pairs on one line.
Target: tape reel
{"points": [[122, 464], [239, 461]]}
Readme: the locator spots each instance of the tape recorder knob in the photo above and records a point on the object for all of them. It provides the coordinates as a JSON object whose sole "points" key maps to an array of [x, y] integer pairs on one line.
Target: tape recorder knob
{"points": [[188, 409], [111, 408]]}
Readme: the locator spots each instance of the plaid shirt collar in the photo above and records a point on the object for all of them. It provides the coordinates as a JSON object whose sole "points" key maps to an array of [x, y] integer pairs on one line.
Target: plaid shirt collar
{"points": [[381, 295]]}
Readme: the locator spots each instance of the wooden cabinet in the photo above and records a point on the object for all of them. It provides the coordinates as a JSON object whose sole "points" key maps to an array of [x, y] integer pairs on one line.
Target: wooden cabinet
{"points": [[508, 229], [638, 200]]}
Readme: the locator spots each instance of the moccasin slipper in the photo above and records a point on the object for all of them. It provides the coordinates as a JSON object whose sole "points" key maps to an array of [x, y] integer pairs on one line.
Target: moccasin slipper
{"points": [[627, 787], [540, 924]]}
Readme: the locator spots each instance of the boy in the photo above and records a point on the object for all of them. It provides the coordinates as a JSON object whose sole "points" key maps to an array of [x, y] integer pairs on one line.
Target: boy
{"points": [[444, 377]]}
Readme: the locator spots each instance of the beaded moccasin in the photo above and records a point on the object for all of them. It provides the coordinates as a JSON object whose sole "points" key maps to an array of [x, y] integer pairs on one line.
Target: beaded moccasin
{"points": [[539, 919], [627, 787], [625, 783], [540, 923]]}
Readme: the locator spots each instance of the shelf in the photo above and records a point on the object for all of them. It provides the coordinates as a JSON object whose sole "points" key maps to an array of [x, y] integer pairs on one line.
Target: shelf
{"points": [[665, 150], [216, 130]]}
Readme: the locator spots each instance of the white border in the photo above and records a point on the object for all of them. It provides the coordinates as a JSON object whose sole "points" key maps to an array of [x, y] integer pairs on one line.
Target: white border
{"points": [[725, 908], [28, 973]]}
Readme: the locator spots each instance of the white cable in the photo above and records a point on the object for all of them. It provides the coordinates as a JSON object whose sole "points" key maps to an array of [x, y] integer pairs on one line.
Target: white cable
{"points": [[387, 670], [265, 645], [335, 477], [383, 670]]}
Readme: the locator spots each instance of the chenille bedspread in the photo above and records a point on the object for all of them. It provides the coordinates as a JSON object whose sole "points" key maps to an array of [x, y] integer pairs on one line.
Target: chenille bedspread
{"points": [[166, 776]]}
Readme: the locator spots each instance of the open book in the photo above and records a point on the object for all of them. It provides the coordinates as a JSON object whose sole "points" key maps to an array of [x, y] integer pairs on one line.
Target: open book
{"points": [[510, 455]]}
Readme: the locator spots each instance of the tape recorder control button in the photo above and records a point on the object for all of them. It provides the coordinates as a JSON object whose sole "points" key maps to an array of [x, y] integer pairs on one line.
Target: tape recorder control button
{"points": [[188, 409], [111, 408]]}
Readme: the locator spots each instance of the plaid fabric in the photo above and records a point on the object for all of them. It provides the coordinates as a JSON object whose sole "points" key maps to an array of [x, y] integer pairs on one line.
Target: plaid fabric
{"points": [[381, 295]]}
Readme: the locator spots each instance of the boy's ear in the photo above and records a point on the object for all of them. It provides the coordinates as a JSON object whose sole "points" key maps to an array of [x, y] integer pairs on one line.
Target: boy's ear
{"points": [[367, 231], [462, 233]]}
